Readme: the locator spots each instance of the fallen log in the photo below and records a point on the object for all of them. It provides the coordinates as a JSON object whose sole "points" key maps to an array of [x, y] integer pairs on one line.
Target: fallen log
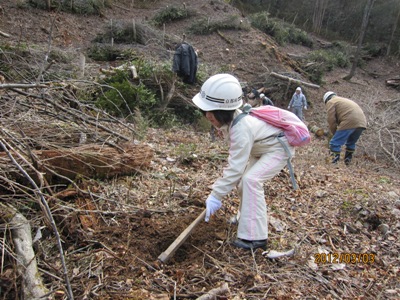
{"points": [[319, 132], [324, 44], [87, 161], [283, 77], [297, 56], [225, 38]]}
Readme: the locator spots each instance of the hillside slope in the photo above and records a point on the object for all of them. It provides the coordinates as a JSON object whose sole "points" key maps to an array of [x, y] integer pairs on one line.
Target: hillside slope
{"points": [[114, 230]]}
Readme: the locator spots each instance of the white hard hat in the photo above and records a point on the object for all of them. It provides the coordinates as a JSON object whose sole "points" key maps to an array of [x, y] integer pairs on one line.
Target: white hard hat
{"points": [[219, 92], [262, 95], [328, 95], [298, 89]]}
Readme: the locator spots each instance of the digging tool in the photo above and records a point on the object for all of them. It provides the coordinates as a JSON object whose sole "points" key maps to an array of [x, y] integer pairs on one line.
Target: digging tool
{"points": [[167, 254]]}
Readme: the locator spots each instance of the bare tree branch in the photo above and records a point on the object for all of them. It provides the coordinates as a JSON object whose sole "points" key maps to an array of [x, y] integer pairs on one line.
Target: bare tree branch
{"points": [[43, 203]]}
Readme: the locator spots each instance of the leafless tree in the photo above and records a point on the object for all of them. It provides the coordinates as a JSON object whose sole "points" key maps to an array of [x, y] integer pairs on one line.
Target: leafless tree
{"points": [[319, 14], [393, 29]]}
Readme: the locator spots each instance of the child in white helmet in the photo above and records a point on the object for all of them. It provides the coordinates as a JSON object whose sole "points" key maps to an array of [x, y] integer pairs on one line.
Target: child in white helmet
{"points": [[255, 156]]}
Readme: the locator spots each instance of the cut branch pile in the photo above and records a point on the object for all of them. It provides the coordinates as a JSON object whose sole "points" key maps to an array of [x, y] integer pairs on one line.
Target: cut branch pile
{"points": [[35, 125]]}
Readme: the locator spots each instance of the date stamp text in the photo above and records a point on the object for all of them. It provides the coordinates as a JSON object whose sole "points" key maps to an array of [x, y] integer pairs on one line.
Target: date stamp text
{"points": [[344, 258]]}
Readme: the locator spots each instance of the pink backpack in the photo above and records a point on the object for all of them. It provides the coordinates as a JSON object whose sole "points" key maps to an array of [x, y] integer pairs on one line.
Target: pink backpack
{"points": [[295, 130]]}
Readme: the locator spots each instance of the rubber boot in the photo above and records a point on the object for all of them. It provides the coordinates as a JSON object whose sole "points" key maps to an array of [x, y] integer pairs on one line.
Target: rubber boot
{"points": [[348, 156], [335, 156]]}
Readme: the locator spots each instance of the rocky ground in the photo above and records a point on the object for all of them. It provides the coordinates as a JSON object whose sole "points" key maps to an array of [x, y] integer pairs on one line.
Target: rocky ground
{"points": [[112, 247]]}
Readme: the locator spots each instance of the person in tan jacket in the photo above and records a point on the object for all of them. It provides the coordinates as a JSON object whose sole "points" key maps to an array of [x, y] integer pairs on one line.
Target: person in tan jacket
{"points": [[346, 122]]}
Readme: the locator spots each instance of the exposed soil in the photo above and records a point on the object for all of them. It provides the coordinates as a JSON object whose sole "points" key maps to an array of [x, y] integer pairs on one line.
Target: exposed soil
{"points": [[112, 246]]}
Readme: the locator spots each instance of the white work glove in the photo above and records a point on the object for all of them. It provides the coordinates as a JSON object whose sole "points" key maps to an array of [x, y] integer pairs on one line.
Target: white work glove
{"points": [[305, 107], [288, 107], [212, 205]]}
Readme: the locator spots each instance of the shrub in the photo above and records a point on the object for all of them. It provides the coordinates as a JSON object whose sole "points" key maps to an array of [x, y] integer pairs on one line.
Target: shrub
{"points": [[169, 14], [124, 32], [141, 124], [205, 26], [122, 97], [186, 153], [282, 32], [325, 60], [382, 142], [315, 73], [375, 49], [78, 6], [104, 52], [299, 37], [330, 58], [201, 123]]}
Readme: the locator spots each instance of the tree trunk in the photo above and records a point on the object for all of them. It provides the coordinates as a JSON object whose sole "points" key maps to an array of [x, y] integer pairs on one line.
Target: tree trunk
{"points": [[393, 30], [90, 161], [319, 14], [364, 25]]}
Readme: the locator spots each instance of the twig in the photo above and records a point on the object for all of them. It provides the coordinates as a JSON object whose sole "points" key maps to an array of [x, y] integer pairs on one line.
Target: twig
{"points": [[79, 117], [390, 154], [120, 7], [224, 38], [22, 85], [4, 34]]}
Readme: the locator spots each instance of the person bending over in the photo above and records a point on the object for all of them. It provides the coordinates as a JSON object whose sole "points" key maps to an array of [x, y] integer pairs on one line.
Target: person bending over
{"points": [[255, 156]]}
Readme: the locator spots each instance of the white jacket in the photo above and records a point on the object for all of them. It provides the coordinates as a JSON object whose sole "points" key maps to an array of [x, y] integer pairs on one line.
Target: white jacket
{"points": [[249, 137]]}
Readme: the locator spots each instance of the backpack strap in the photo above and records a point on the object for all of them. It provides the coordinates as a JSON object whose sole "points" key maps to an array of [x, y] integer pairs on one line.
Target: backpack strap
{"points": [[238, 118], [289, 163], [245, 112]]}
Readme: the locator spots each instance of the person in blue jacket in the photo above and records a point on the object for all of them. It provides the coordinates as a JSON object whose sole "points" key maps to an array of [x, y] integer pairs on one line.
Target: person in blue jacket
{"points": [[297, 103]]}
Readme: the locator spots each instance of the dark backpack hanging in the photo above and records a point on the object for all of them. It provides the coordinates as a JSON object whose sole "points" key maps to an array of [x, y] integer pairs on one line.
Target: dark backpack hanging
{"points": [[185, 63]]}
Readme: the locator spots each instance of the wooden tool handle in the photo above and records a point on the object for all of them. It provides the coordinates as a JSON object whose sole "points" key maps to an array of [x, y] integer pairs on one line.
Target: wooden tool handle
{"points": [[166, 255]]}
